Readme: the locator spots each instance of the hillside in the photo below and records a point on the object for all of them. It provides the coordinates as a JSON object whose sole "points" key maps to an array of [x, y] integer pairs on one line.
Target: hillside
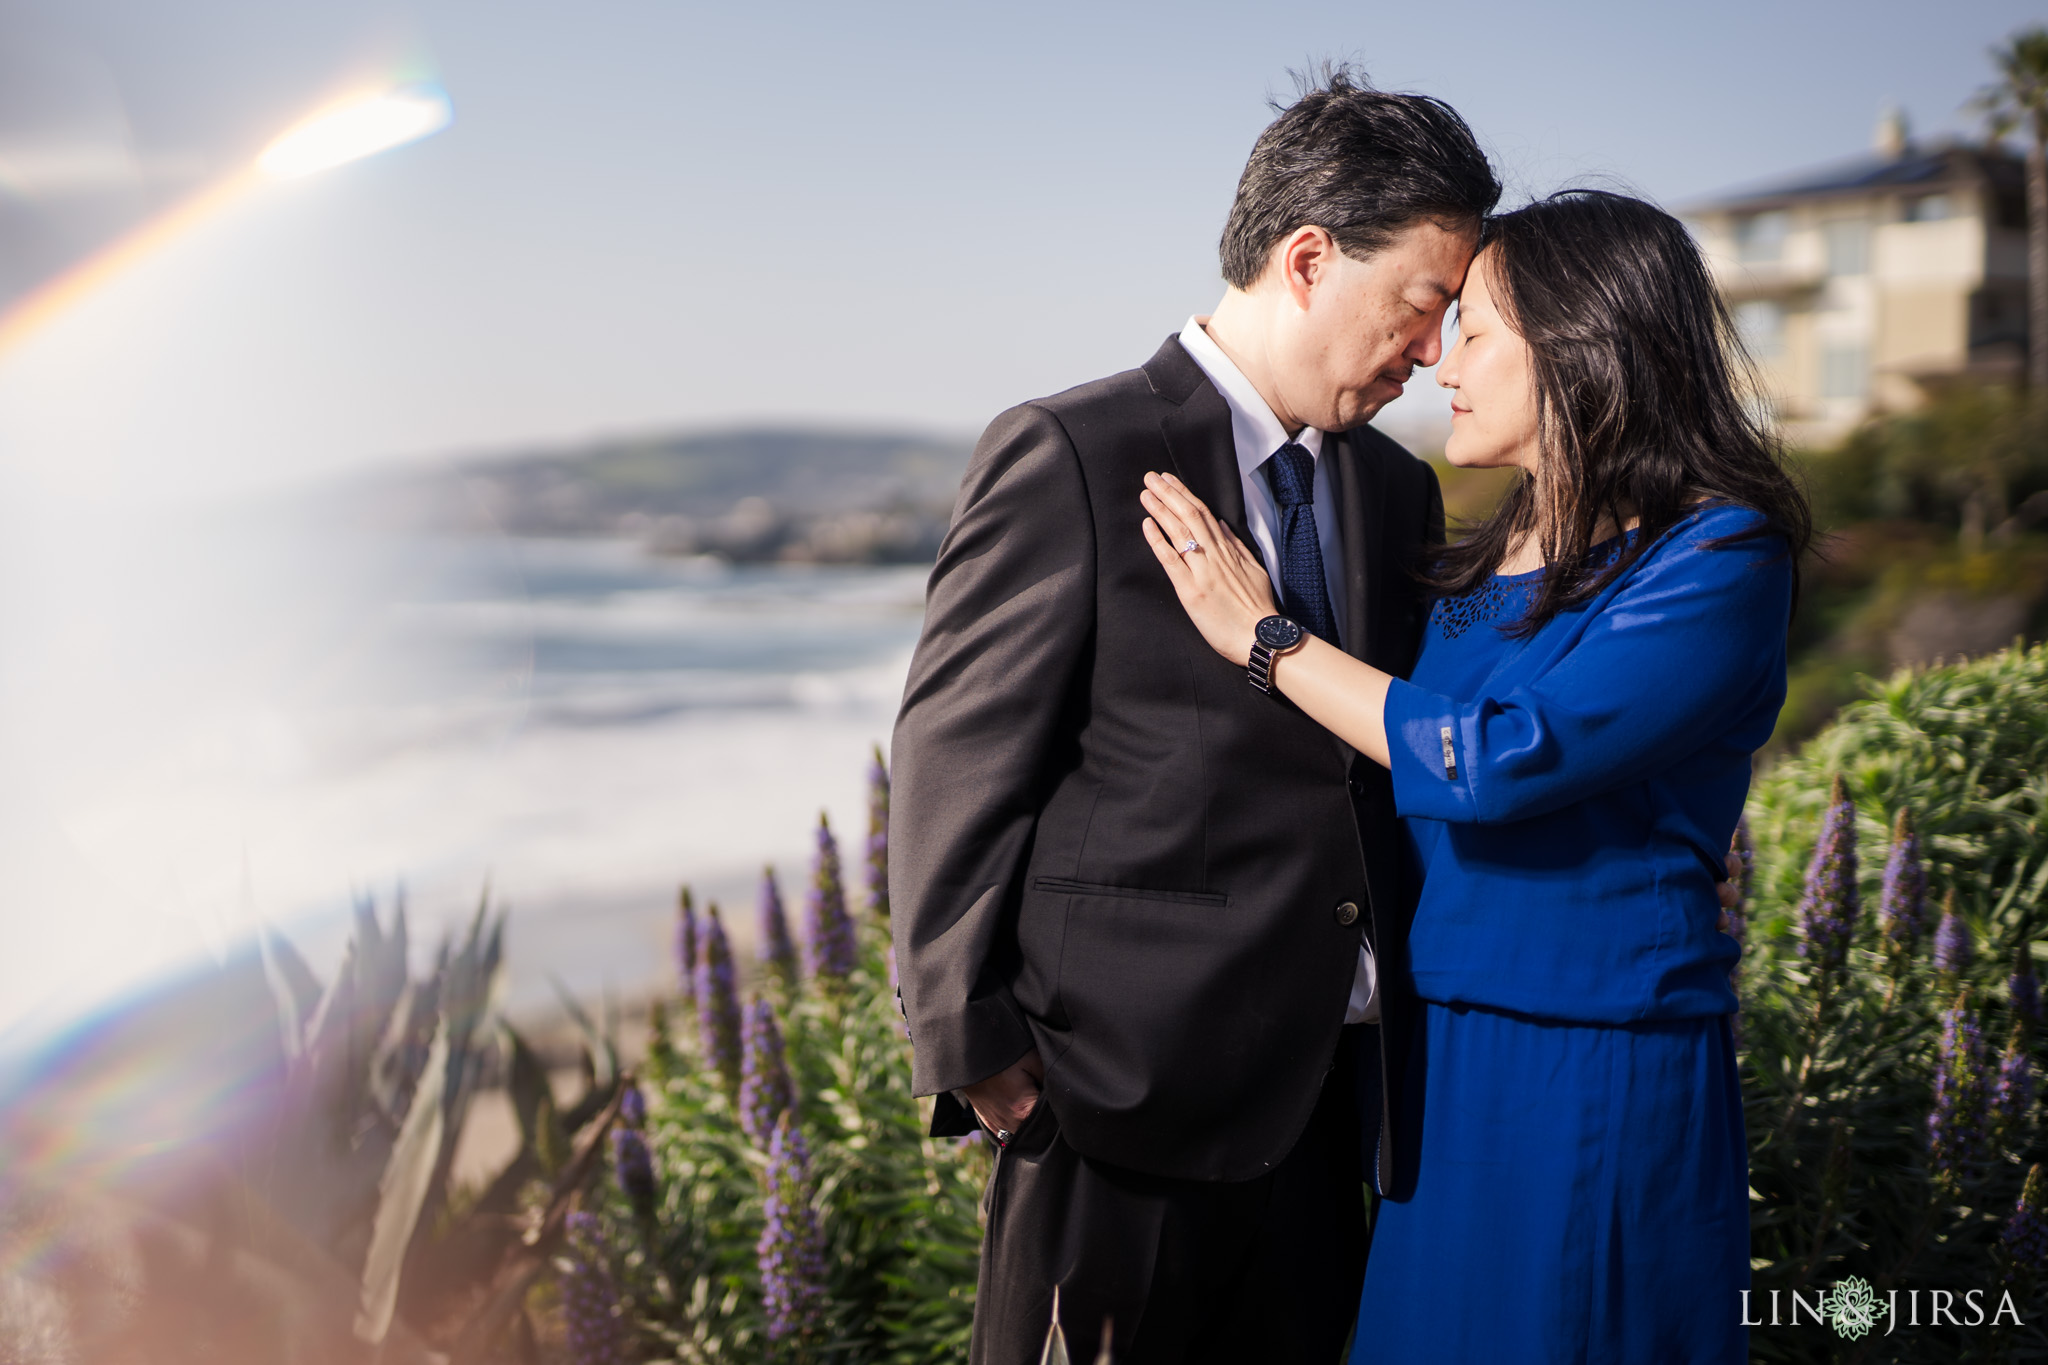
{"points": [[750, 495]]}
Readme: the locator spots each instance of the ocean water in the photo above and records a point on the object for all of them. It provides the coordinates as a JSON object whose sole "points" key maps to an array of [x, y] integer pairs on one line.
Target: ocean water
{"points": [[221, 725], [588, 727]]}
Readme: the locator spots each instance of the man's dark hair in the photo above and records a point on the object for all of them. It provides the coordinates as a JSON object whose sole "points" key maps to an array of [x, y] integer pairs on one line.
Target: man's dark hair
{"points": [[1359, 163]]}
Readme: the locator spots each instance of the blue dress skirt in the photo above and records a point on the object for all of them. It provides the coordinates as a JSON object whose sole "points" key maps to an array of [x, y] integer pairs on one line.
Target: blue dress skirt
{"points": [[1581, 1196]]}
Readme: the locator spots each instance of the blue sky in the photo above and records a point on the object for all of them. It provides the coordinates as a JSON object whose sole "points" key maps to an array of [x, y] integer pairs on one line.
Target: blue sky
{"points": [[652, 214]]}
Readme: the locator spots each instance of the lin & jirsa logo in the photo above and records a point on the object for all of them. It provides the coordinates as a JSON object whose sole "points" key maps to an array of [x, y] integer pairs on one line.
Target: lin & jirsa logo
{"points": [[1853, 1308]]}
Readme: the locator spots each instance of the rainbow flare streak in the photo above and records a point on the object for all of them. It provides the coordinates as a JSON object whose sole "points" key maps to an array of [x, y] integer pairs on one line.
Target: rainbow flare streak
{"points": [[347, 130]]}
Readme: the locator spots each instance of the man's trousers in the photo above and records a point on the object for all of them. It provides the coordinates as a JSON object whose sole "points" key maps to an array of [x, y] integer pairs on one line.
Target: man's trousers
{"points": [[1182, 1272]]}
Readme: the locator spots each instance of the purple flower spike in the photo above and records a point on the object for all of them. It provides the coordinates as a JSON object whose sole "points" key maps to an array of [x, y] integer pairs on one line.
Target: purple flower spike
{"points": [[634, 1167], [766, 1091], [2012, 1098], [2026, 1232], [718, 1002], [791, 1252], [1955, 1130], [686, 944], [776, 949], [633, 1107], [1951, 941], [590, 1297], [832, 942], [1903, 905], [1742, 850], [1828, 912], [2025, 987], [878, 837]]}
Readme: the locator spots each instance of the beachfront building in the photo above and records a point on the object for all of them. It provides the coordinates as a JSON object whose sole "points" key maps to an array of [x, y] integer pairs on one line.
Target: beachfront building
{"points": [[1864, 286]]}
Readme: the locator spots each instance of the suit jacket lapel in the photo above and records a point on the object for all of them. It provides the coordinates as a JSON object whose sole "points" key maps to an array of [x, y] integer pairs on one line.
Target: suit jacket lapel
{"points": [[1357, 482], [1204, 451]]}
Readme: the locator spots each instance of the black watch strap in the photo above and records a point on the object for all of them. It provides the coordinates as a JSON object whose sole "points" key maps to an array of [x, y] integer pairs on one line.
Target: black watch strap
{"points": [[1274, 636], [1259, 670]]}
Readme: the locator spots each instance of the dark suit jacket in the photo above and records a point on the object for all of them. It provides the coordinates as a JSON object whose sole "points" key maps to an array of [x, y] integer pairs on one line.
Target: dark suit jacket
{"points": [[1104, 843]]}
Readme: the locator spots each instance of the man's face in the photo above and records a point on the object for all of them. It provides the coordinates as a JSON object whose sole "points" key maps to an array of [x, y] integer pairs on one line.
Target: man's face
{"points": [[1357, 329]]}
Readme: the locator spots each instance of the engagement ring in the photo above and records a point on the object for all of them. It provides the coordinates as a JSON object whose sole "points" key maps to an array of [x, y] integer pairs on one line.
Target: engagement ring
{"points": [[1190, 547]]}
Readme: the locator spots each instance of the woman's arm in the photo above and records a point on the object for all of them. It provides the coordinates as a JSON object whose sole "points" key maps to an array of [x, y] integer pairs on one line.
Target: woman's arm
{"points": [[1688, 652], [1684, 650], [1226, 594]]}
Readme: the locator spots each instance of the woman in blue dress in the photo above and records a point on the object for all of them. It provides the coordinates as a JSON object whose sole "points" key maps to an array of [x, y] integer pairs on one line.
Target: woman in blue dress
{"points": [[1570, 757]]}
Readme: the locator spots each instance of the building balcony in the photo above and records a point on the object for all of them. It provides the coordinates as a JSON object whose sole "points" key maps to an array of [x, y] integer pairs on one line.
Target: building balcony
{"points": [[1766, 279]]}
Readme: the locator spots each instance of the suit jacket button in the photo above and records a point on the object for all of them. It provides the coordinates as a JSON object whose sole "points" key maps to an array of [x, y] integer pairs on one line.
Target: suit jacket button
{"points": [[1357, 787], [1347, 913]]}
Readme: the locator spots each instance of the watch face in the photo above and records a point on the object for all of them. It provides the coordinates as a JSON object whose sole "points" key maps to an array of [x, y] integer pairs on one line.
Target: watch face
{"points": [[1277, 632]]}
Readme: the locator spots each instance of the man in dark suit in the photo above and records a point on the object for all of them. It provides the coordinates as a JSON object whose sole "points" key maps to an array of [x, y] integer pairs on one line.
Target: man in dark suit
{"points": [[1150, 919]]}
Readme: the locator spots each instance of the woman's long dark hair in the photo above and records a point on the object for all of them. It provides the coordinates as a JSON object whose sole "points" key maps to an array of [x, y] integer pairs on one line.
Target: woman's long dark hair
{"points": [[1638, 376]]}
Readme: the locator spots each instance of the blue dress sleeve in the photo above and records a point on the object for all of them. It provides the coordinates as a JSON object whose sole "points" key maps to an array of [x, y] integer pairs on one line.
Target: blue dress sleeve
{"points": [[1689, 645]]}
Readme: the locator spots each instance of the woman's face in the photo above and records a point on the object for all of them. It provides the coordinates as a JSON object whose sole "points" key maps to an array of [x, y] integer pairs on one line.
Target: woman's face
{"points": [[1493, 387]]}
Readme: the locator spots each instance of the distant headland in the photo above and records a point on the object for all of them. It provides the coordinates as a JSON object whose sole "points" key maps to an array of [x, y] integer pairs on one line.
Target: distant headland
{"points": [[747, 495]]}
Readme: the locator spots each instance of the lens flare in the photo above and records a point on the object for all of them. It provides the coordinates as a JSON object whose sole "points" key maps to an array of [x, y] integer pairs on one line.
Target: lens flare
{"points": [[360, 126], [354, 129]]}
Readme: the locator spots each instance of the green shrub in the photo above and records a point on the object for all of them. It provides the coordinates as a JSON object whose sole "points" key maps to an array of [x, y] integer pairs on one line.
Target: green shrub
{"points": [[1888, 1064], [890, 1275]]}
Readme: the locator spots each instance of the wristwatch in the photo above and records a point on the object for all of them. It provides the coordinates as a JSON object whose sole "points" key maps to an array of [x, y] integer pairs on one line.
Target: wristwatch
{"points": [[1271, 638]]}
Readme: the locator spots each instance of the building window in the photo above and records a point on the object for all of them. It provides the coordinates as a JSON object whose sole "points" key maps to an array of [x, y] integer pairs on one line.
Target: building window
{"points": [[1844, 372], [1926, 208], [1761, 325], [1761, 236], [1848, 243]]}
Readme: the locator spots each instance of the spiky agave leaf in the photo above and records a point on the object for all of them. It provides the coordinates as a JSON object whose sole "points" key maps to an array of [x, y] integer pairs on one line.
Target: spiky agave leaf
{"points": [[401, 1195]]}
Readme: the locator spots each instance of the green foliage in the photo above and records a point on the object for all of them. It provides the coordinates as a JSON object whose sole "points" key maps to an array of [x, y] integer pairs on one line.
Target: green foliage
{"points": [[1842, 1068], [1966, 748], [2018, 100], [899, 1211], [1977, 452], [1923, 510]]}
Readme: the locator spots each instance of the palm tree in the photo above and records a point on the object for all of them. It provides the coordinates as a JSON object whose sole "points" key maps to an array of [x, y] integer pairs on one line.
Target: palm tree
{"points": [[2018, 100]]}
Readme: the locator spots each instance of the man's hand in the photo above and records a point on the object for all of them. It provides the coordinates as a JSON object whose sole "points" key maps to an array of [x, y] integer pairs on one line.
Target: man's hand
{"points": [[1003, 1101]]}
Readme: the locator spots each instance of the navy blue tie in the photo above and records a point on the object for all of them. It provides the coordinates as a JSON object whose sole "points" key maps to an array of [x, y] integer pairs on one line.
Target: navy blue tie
{"points": [[1304, 592]]}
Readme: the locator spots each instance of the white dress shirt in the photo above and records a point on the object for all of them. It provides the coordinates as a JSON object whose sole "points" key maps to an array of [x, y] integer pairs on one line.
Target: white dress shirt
{"points": [[1257, 433]]}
